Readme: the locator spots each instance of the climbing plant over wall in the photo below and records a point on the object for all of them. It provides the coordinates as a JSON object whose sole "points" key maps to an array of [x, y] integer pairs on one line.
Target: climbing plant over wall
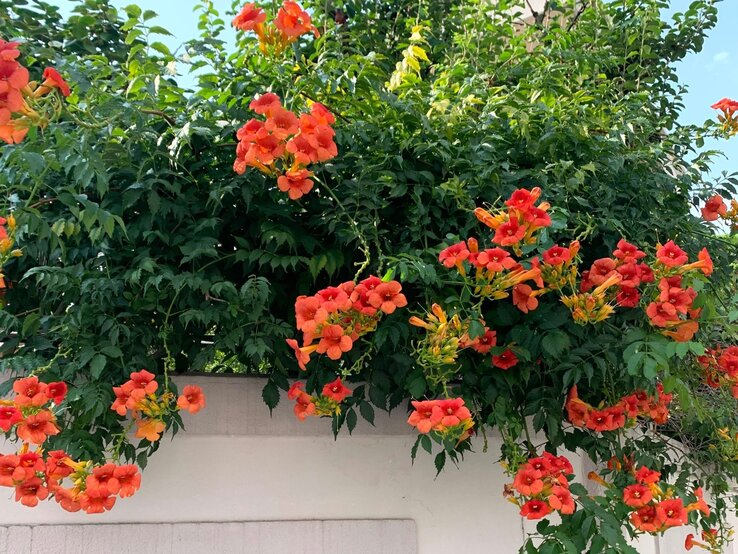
{"points": [[478, 221]]}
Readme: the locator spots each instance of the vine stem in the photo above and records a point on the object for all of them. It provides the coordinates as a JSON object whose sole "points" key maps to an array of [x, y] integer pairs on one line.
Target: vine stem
{"points": [[529, 446], [36, 186], [168, 361], [364, 244]]}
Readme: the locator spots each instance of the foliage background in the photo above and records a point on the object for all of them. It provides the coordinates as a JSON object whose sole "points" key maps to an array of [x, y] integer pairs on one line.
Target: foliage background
{"points": [[139, 240]]}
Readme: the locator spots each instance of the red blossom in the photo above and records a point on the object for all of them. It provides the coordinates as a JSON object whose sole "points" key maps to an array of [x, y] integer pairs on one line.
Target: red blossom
{"points": [[454, 411], [30, 491], [671, 512], [144, 380], [535, 509], [523, 199], [486, 342], [454, 255], [726, 105], [52, 79], [637, 496], [495, 260], [387, 297], [57, 392], [528, 482], [506, 360], [509, 233], [714, 208], [192, 399], [334, 342], [336, 390], [129, 480], [426, 416], [309, 313], [601, 270], [646, 519], [250, 18], [96, 500], [293, 21], [561, 500], [628, 297], [523, 298], [37, 427], [295, 183], [30, 392], [627, 252], [556, 255], [266, 104], [671, 255], [9, 416], [662, 314], [647, 476]]}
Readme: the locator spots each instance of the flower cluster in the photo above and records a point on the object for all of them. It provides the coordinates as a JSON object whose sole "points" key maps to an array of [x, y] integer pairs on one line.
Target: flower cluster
{"points": [[655, 506], [290, 23], [150, 410], [541, 486], [7, 242], [617, 281], [519, 222], [671, 307], [728, 117], [284, 145], [496, 272], [17, 95], [337, 316], [623, 413], [328, 403], [715, 208], [721, 367], [448, 417], [446, 337], [39, 474], [711, 541], [30, 412], [609, 282]]}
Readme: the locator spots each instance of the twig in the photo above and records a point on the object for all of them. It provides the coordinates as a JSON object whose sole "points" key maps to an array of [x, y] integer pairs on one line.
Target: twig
{"points": [[533, 12], [364, 246], [165, 117], [42, 202], [577, 15]]}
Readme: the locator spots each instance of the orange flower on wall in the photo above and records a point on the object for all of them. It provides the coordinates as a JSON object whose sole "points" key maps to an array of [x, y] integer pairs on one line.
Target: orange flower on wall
{"points": [[289, 24], [23, 104], [729, 108], [284, 145]]}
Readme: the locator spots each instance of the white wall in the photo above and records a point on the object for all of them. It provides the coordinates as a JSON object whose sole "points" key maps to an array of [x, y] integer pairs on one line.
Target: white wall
{"points": [[236, 464]]}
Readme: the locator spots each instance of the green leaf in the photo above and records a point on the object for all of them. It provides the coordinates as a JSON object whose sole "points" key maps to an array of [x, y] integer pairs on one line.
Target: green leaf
{"points": [[351, 419], [161, 48], [367, 412], [440, 462], [133, 11], [97, 364], [417, 386], [555, 343], [112, 352], [270, 395]]}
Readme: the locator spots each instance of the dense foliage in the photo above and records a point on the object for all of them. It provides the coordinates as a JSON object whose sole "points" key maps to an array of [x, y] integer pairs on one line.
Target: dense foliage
{"points": [[144, 246]]}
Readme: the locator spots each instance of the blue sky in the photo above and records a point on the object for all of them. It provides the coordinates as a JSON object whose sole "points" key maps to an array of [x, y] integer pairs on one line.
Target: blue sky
{"points": [[710, 75]]}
